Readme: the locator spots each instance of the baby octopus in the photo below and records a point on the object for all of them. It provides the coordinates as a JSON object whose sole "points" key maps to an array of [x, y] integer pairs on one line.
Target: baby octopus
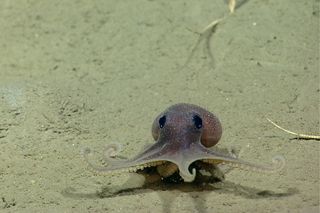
{"points": [[184, 134]]}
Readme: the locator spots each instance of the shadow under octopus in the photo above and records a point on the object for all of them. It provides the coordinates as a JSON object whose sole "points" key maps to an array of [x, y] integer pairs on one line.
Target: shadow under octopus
{"points": [[184, 134]]}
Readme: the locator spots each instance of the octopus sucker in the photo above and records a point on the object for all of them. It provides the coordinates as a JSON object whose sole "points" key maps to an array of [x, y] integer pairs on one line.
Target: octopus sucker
{"points": [[167, 169], [212, 161], [184, 135]]}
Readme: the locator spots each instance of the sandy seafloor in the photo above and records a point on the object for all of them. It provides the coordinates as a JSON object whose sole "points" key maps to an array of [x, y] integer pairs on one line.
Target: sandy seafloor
{"points": [[77, 74]]}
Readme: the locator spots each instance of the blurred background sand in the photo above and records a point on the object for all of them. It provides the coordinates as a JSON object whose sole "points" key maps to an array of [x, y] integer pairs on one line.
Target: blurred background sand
{"points": [[77, 74]]}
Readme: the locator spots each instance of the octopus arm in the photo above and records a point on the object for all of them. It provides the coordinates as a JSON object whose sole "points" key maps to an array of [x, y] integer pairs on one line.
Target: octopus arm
{"points": [[210, 156], [149, 158]]}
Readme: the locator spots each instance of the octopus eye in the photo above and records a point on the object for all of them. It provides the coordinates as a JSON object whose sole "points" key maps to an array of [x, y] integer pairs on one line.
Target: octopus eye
{"points": [[162, 121], [197, 121]]}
